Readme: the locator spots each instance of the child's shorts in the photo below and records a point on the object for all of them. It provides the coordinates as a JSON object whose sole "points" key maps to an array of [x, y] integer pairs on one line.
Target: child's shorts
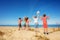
{"points": [[20, 25], [36, 25]]}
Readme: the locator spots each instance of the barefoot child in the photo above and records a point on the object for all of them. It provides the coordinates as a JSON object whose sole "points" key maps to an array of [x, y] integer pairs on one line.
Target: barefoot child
{"points": [[45, 25], [19, 23], [35, 18], [27, 23]]}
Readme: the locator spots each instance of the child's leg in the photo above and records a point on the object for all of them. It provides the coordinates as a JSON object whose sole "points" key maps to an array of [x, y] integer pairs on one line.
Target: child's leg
{"points": [[19, 28], [36, 29], [24, 26], [29, 27], [45, 30]]}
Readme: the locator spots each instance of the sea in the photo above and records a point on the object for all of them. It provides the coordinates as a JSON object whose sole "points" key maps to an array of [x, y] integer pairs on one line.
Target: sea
{"points": [[39, 26]]}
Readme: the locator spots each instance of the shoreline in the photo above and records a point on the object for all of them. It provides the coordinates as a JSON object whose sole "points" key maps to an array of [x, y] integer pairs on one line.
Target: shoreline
{"points": [[31, 26]]}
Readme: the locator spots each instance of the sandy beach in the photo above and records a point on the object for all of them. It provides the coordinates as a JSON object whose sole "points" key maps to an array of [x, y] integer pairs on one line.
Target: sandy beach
{"points": [[12, 33]]}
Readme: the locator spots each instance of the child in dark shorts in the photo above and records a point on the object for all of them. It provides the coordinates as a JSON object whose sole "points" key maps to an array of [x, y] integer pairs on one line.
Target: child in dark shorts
{"points": [[19, 23]]}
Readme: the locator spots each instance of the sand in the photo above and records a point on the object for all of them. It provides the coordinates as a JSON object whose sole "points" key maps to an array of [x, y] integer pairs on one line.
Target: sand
{"points": [[12, 33]]}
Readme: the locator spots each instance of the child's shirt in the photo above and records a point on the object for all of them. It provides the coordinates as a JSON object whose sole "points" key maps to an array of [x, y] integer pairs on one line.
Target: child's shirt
{"points": [[44, 19], [19, 21], [35, 20]]}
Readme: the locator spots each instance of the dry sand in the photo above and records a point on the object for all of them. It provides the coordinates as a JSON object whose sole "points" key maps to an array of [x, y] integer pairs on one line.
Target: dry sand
{"points": [[12, 33]]}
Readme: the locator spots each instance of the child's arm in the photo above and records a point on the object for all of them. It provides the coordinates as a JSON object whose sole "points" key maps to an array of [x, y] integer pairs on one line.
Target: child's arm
{"points": [[30, 20], [48, 17], [41, 17]]}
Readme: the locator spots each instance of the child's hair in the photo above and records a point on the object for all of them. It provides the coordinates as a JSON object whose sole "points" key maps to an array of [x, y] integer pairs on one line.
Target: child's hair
{"points": [[35, 16], [19, 18], [44, 15], [26, 18]]}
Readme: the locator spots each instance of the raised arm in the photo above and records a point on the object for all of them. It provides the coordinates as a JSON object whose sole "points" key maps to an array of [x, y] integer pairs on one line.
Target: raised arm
{"points": [[48, 17], [41, 17]]}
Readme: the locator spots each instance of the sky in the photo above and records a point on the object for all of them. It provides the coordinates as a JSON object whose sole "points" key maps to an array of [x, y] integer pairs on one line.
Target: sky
{"points": [[11, 10]]}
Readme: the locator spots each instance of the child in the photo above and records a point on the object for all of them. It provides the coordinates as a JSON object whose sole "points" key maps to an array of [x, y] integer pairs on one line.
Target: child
{"points": [[27, 23], [44, 19], [35, 18], [24, 23], [19, 23]]}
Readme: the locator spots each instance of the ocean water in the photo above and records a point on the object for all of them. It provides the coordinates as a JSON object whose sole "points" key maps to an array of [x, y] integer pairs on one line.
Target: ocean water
{"points": [[39, 26]]}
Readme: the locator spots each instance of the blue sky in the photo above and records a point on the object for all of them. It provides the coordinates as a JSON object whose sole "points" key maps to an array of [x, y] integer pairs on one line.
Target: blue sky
{"points": [[11, 10]]}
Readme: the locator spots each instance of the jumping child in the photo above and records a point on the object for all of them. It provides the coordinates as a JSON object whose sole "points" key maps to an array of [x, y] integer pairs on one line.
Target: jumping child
{"points": [[45, 25], [26, 23], [35, 18], [19, 23]]}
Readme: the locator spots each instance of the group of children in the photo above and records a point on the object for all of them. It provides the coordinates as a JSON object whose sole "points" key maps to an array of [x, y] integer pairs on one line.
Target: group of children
{"points": [[26, 23], [35, 18]]}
